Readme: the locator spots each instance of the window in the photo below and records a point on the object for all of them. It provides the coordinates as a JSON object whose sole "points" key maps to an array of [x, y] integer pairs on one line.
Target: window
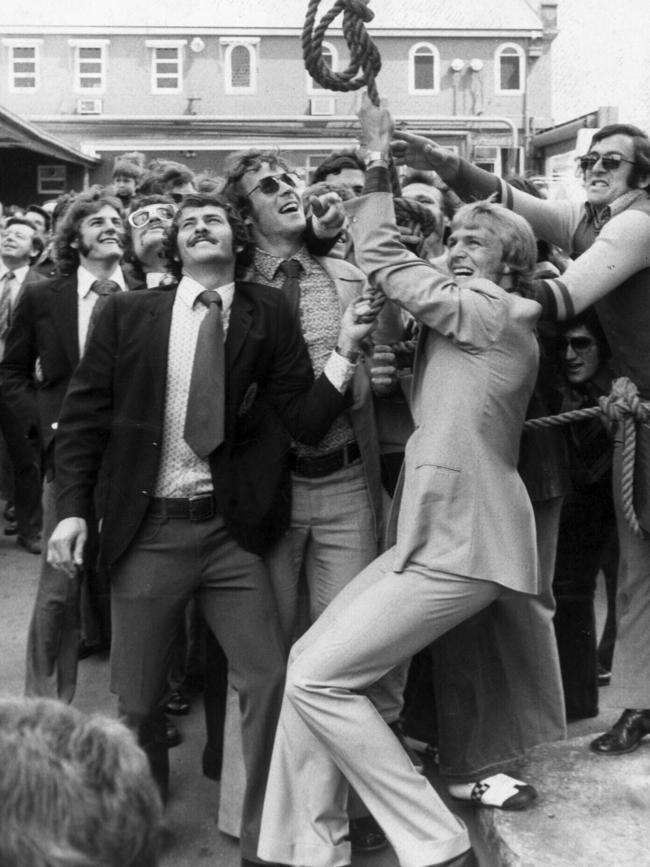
{"points": [[424, 69], [330, 57], [52, 180], [90, 64], [509, 69], [24, 64], [240, 64], [166, 65]]}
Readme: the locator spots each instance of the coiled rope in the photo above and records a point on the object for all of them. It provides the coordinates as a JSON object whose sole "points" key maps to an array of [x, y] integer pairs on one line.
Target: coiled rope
{"points": [[365, 60], [622, 406]]}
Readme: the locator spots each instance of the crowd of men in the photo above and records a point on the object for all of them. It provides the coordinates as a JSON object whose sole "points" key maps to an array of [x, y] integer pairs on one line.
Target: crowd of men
{"points": [[262, 417]]}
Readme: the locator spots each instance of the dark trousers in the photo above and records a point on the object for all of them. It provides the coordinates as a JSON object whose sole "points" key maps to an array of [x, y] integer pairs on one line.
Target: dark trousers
{"points": [[24, 457], [170, 560]]}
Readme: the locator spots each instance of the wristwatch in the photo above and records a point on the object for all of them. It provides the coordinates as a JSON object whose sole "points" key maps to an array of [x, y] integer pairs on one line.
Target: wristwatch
{"points": [[377, 157]]}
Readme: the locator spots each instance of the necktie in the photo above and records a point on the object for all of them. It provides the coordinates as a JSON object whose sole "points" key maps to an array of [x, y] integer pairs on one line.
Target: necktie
{"points": [[204, 418], [8, 282], [291, 269], [103, 289]]}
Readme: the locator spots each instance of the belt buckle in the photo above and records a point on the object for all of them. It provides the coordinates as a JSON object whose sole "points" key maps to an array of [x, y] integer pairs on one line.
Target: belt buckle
{"points": [[201, 507]]}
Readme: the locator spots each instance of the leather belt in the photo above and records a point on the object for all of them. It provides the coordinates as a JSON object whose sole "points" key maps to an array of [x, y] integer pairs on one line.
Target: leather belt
{"points": [[200, 507], [314, 467]]}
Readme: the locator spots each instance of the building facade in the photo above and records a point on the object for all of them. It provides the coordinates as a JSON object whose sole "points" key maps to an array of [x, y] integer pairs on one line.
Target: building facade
{"points": [[193, 84]]}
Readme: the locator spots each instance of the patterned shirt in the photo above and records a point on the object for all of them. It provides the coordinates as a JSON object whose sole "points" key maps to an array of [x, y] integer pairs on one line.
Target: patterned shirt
{"points": [[320, 319], [182, 472]]}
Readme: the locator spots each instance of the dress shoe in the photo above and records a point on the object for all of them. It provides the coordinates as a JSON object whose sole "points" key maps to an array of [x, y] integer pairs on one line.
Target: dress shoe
{"points": [[625, 735], [172, 734], [177, 704], [30, 543], [500, 790], [366, 835], [10, 529], [9, 513]]}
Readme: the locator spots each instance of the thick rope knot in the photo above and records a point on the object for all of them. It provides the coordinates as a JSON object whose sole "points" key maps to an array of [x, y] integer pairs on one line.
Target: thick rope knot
{"points": [[623, 402], [365, 60]]}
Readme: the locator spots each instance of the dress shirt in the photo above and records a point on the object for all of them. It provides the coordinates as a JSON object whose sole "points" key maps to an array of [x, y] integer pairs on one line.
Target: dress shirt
{"points": [[87, 299], [153, 278], [19, 274], [182, 472]]}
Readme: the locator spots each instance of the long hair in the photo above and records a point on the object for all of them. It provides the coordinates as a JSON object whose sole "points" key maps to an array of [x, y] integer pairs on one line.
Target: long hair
{"points": [[641, 168], [82, 206]]}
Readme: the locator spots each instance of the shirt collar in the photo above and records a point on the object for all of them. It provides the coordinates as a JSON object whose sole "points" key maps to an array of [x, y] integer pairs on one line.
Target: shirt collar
{"points": [[19, 273], [153, 278], [267, 264], [85, 280], [189, 290], [599, 218]]}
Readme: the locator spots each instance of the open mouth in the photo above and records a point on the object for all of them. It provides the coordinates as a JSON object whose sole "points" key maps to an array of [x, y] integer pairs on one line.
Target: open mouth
{"points": [[200, 239], [462, 271], [289, 208]]}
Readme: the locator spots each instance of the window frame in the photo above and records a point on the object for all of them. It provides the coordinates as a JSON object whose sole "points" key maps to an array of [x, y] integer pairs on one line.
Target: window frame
{"points": [[435, 54], [250, 43], [316, 90], [77, 45], [13, 76], [154, 45], [498, 54]]}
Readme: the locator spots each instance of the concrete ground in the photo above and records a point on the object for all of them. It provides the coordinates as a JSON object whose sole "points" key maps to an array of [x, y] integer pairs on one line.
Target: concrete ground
{"points": [[195, 840]]}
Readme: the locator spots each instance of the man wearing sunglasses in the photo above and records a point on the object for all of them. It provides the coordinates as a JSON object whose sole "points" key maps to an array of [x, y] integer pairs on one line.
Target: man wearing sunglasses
{"points": [[50, 324], [609, 240], [147, 225]]}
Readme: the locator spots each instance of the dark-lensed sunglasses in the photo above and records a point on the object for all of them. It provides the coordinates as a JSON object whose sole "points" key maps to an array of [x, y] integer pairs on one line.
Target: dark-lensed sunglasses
{"points": [[577, 344], [142, 216], [271, 183], [610, 162]]}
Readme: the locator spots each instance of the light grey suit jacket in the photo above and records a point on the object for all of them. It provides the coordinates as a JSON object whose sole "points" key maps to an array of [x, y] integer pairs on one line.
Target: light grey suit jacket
{"points": [[464, 509]]}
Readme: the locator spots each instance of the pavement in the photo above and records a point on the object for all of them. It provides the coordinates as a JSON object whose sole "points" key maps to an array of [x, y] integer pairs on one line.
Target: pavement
{"points": [[592, 811]]}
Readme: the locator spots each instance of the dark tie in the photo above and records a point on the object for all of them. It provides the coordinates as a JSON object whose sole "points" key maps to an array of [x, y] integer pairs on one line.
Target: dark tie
{"points": [[291, 269], [103, 289], [204, 418], [8, 282]]}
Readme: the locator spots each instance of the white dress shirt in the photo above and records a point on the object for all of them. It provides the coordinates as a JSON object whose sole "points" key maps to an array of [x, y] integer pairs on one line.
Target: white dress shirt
{"points": [[87, 299]]}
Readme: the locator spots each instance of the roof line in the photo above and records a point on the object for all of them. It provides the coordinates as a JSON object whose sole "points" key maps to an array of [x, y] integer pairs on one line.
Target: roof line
{"points": [[54, 146]]}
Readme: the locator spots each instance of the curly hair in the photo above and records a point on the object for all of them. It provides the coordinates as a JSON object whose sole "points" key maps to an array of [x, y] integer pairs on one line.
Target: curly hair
{"points": [[240, 234], [82, 206]]}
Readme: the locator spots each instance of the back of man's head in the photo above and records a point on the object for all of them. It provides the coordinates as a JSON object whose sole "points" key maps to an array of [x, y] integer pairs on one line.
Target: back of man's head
{"points": [[75, 791]]}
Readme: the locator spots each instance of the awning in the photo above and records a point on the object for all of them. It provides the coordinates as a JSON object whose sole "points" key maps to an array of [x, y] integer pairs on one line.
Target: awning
{"points": [[18, 133]]}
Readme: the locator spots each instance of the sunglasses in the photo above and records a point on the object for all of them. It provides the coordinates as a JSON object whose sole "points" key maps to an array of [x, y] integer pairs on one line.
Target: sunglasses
{"points": [[610, 161], [577, 344], [142, 216], [271, 183]]}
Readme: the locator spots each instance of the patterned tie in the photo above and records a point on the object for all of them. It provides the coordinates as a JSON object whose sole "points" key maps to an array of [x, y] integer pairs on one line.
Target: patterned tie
{"points": [[103, 289], [291, 269], [204, 418], [8, 282]]}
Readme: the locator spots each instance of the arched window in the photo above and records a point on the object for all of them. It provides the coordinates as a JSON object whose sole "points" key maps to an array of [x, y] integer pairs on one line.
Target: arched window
{"points": [[240, 65], [509, 69], [331, 57], [424, 69]]}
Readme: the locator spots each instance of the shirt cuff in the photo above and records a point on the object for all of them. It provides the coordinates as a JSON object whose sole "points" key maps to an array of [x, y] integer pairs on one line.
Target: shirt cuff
{"points": [[339, 371]]}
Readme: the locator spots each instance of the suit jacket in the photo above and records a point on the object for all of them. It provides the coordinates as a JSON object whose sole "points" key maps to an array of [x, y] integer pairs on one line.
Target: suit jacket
{"points": [[464, 509], [114, 411]]}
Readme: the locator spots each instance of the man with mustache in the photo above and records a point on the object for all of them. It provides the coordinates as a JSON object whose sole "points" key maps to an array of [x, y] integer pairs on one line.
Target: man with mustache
{"points": [[48, 333], [184, 396]]}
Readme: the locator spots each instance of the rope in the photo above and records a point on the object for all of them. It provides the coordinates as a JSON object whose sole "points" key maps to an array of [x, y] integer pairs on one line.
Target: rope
{"points": [[365, 60], [622, 406]]}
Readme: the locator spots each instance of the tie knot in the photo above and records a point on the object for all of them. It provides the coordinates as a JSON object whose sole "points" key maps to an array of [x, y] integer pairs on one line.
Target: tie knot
{"points": [[105, 287], [209, 297], [290, 267]]}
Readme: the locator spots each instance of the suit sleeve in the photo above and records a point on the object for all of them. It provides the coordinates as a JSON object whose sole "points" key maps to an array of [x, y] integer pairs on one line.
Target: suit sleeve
{"points": [[306, 406], [85, 420]]}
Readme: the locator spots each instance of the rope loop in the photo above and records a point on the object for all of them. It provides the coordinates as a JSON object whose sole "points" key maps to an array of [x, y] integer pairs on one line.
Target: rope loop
{"points": [[365, 60], [623, 402]]}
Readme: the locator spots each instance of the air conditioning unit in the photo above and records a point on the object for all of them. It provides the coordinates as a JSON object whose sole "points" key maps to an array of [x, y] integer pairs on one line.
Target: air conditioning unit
{"points": [[321, 105], [89, 106]]}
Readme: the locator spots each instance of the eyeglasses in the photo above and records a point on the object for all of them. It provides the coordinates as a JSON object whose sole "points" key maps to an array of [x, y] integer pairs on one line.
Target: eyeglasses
{"points": [[271, 183], [142, 216], [579, 345], [610, 161]]}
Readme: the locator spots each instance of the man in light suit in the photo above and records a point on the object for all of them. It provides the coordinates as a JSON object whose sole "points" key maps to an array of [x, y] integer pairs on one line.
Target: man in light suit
{"points": [[465, 534], [179, 519], [48, 332]]}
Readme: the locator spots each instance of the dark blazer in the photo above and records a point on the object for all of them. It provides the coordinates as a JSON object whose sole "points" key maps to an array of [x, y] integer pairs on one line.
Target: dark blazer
{"points": [[44, 327], [115, 409]]}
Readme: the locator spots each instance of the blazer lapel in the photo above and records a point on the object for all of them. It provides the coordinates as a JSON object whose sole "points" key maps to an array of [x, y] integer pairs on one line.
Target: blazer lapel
{"points": [[65, 306], [238, 327]]}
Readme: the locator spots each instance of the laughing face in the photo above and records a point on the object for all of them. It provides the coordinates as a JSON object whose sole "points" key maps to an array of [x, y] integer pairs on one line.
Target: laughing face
{"points": [[278, 213], [101, 236], [603, 186], [474, 251], [580, 355]]}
